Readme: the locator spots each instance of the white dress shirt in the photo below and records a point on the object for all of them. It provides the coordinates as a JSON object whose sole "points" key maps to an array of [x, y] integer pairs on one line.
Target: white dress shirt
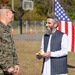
{"points": [[59, 53]]}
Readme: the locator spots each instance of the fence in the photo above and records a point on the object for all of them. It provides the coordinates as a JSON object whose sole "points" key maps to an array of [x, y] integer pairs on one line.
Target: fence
{"points": [[36, 26]]}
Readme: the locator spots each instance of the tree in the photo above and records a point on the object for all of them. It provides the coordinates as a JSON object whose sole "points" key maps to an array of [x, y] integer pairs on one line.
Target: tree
{"points": [[43, 7], [4, 1]]}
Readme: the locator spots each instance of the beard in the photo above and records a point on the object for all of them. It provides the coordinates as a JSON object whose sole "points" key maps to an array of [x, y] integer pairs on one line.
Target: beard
{"points": [[49, 32]]}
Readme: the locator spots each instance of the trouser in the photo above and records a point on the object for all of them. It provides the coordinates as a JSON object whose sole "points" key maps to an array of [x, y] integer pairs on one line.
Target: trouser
{"points": [[5, 73]]}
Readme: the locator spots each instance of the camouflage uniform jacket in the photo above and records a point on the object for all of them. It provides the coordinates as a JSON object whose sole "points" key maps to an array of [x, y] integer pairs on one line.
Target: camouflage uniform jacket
{"points": [[8, 56]]}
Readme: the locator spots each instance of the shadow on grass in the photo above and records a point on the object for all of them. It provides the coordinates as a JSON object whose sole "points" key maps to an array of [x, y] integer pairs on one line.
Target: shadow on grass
{"points": [[70, 66]]}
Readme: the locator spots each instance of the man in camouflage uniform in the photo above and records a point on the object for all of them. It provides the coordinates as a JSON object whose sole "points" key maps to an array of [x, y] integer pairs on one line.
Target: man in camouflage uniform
{"points": [[8, 58]]}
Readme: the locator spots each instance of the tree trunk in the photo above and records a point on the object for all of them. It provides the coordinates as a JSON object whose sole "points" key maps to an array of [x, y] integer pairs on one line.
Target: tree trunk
{"points": [[20, 3], [52, 6]]}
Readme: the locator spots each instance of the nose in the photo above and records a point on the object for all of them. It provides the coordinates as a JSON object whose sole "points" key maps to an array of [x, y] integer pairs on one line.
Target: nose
{"points": [[46, 24]]}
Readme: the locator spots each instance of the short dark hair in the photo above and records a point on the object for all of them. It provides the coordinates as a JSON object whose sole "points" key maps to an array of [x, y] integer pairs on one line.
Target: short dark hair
{"points": [[54, 17], [7, 6]]}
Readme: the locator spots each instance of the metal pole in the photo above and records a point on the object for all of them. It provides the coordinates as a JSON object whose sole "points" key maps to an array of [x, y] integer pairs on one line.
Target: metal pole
{"points": [[13, 4], [43, 25], [53, 6], [35, 26], [20, 25], [21, 14], [26, 26]]}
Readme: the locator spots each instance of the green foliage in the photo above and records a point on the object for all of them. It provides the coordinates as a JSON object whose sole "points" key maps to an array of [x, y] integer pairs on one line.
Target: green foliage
{"points": [[72, 16], [14, 24], [42, 8], [32, 15]]}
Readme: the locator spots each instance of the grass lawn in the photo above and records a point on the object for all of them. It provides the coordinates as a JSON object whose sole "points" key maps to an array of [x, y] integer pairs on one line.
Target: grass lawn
{"points": [[29, 65]]}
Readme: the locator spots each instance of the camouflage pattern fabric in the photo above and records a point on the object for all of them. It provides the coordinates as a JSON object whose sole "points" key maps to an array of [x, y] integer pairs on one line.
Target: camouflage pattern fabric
{"points": [[8, 56], [1, 72]]}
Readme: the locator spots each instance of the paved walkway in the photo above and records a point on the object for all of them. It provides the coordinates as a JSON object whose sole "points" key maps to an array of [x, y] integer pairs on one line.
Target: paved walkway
{"points": [[33, 37]]}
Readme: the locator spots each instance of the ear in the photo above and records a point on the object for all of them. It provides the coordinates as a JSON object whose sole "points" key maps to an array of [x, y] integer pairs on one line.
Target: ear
{"points": [[55, 25], [7, 13]]}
